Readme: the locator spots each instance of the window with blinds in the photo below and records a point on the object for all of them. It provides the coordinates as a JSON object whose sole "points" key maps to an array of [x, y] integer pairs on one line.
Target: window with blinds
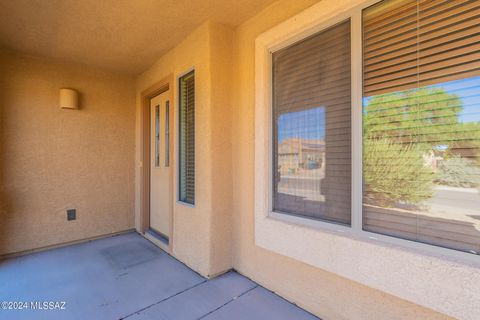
{"points": [[187, 138], [312, 126], [421, 121]]}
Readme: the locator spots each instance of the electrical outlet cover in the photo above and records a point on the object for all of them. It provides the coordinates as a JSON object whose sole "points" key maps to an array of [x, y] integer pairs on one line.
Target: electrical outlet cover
{"points": [[71, 214]]}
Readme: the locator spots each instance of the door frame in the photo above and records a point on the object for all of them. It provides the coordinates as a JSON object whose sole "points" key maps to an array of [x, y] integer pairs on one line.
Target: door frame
{"points": [[160, 87]]}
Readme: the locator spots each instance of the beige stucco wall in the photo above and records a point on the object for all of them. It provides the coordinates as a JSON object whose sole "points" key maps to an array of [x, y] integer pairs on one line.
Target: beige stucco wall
{"points": [[221, 56], [53, 159], [325, 294], [202, 233]]}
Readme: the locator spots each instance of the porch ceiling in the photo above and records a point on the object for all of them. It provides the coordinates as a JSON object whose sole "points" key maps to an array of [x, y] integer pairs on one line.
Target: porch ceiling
{"points": [[121, 35]]}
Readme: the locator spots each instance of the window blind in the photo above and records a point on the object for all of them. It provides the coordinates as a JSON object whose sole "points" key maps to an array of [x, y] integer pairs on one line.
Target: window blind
{"points": [[422, 121], [312, 126], [410, 44], [187, 138]]}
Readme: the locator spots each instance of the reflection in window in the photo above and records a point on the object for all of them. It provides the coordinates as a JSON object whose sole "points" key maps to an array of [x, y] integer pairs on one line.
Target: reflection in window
{"points": [[421, 122], [311, 127]]}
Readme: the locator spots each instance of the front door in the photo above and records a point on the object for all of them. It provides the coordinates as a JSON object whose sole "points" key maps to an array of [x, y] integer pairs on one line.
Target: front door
{"points": [[160, 168]]}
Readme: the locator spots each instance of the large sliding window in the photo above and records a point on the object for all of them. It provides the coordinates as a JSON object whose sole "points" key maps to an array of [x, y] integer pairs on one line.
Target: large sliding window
{"points": [[421, 121], [312, 127], [187, 138]]}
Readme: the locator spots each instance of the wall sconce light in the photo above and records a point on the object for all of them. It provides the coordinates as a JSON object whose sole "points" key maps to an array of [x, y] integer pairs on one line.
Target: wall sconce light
{"points": [[68, 99]]}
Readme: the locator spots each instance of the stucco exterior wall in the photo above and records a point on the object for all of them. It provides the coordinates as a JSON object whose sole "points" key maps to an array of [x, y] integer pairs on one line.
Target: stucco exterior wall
{"points": [[325, 294], [221, 56], [201, 233], [219, 231], [54, 159]]}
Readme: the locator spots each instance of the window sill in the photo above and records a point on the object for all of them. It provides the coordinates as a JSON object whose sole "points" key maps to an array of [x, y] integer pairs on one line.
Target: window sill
{"points": [[186, 204], [406, 269], [375, 238]]}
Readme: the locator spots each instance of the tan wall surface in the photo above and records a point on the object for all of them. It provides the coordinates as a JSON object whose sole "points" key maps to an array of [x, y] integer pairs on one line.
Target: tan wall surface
{"points": [[190, 225], [54, 159], [325, 294], [221, 46], [195, 228], [192, 234]]}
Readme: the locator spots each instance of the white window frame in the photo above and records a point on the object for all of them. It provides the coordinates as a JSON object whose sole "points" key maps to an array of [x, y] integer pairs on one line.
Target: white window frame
{"points": [[349, 251]]}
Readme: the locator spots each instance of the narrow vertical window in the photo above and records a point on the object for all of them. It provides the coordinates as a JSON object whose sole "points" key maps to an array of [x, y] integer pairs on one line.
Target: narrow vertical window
{"points": [[187, 138], [312, 127], [421, 121], [157, 136], [167, 134]]}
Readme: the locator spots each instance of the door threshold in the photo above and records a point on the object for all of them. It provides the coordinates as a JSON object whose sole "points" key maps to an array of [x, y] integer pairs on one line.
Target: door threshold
{"points": [[158, 239]]}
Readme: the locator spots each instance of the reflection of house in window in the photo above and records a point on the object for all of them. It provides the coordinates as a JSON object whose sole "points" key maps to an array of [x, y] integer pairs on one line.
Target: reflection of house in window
{"points": [[311, 126], [296, 154]]}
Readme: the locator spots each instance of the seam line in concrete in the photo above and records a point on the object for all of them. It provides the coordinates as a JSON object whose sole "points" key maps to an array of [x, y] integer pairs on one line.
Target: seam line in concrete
{"points": [[226, 303], [162, 300]]}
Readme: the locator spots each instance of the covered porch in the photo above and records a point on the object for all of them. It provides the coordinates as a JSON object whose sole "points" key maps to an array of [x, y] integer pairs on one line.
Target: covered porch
{"points": [[128, 277]]}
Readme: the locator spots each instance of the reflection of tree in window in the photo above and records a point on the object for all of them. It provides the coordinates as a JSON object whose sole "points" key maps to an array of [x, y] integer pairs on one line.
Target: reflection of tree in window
{"points": [[421, 113], [414, 138]]}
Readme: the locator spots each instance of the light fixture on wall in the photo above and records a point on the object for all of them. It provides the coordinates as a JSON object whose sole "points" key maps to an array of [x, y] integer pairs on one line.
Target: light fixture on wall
{"points": [[68, 98]]}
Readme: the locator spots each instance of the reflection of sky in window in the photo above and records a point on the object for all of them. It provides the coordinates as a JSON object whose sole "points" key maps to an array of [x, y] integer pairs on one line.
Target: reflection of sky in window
{"points": [[468, 90], [310, 123], [305, 124]]}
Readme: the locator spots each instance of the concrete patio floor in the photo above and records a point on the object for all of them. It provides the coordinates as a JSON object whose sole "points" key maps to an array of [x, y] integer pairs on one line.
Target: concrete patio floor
{"points": [[127, 277]]}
